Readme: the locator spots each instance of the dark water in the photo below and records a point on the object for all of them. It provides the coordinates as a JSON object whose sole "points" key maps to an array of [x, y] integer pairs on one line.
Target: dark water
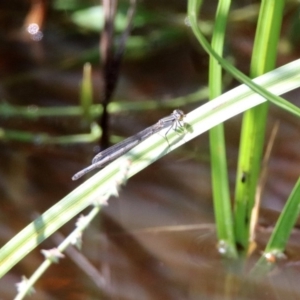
{"points": [[157, 240]]}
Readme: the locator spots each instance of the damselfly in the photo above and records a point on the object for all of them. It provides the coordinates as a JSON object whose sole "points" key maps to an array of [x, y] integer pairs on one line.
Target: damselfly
{"points": [[174, 120]]}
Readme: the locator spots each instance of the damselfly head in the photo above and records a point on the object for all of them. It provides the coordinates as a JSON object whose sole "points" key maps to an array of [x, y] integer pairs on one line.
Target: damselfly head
{"points": [[179, 114]]}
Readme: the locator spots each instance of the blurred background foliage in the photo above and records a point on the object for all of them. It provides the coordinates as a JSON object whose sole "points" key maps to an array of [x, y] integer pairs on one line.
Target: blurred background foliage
{"points": [[158, 241]]}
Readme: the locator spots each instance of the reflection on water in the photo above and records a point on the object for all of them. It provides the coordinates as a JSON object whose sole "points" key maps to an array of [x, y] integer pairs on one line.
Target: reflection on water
{"points": [[157, 240]]}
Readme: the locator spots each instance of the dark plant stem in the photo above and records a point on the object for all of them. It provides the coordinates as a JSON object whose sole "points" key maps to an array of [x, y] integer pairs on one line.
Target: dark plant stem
{"points": [[111, 59]]}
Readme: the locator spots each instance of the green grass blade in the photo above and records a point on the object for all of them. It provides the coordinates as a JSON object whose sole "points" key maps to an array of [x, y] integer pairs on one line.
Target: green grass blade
{"points": [[86, 92], [255, 119], [220, 182], [104, 183], [193, 6], [281, 233], [286, 222]]}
